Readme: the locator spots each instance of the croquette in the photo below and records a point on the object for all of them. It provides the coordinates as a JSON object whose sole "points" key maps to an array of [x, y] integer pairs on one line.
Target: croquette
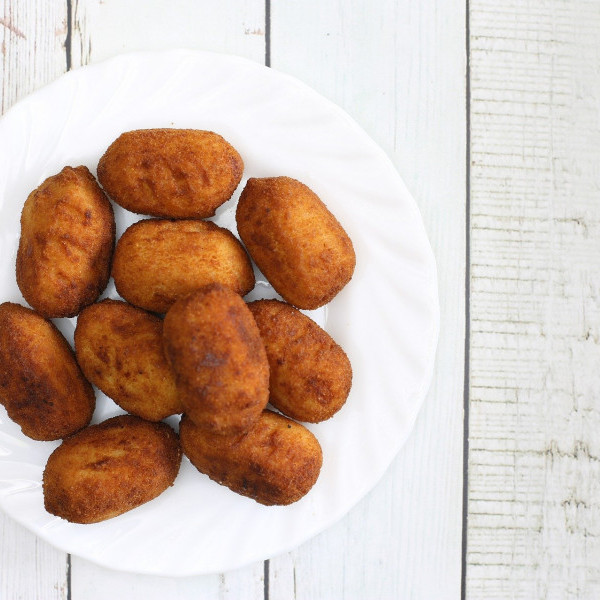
{"points": [[276, 462], [120, 350], [41, 384], [170, 173], [220, 365], [310, 374], [295, 240], [158, 261], [110, 468], [66, 245]]}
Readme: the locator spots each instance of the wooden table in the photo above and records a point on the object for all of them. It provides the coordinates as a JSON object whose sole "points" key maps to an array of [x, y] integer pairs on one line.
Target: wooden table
{"points": [[497, 492]]}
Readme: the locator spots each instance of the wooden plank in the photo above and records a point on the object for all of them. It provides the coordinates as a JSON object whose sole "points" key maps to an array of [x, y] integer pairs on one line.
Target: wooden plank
{"points": [[534, 464], [419, 146], [30, 569], [32, 37], [398, 67], [90, 582], [103, 28]]}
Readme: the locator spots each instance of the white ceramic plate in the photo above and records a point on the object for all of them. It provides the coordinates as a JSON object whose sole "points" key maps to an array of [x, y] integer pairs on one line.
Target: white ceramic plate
{"points": [[386, 318]]}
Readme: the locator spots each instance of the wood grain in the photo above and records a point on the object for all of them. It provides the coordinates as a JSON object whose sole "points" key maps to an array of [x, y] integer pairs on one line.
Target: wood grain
{"points": [[30, 569], [101, 29], [534, 465], [32, 38], [90, 582], [32, 43], [104, 28], [398, 67]]}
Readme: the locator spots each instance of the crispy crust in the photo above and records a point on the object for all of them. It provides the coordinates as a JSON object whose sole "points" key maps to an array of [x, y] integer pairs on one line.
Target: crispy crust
{"points": [[66, 245], [296, 242], [157, 261], [119, 348], [171, 173], [41, 385], [220, 365], [310, 375], [276, 462], [110, 468]]}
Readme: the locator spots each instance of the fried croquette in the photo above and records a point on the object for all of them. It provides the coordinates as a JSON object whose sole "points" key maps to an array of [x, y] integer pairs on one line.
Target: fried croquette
{"points": [[156, 261], [110, 468], [67, 241], [310, 375], [276, 462], [120, 350], [171, 173], [296, 242], [41, 385], [220, 365]]}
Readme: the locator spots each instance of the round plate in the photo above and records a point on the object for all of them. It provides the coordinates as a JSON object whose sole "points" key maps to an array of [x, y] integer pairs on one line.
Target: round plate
{"points": [[386, 318]]}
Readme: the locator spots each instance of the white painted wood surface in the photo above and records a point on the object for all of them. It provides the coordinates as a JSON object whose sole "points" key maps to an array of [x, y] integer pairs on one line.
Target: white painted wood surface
{"points": [[398, 67], [378, 61], [101, 29], [534, 465], [32, 54]]}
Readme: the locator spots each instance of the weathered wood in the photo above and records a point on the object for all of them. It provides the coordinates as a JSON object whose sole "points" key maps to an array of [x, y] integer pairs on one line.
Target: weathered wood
{"points": [[101, 29], [534, 466], [30, 569], [104, 28], [32, 38], [32, 42], [90, 582], [398, 67]]}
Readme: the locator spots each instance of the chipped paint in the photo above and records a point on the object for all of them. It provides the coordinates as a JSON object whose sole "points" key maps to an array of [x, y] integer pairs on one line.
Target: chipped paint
{"points": [[6, 23]]}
